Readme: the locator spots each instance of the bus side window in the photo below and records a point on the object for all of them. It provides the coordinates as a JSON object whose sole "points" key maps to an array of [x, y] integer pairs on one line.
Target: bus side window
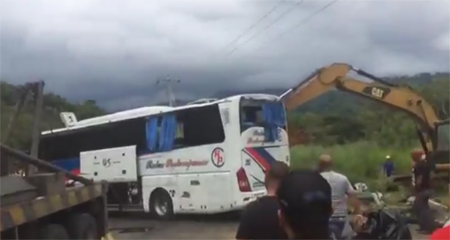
{"points": [[199, 126], [70, 144]]}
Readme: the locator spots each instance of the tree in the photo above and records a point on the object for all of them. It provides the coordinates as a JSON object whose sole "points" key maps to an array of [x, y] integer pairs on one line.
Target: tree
{"points": [[53, 104]]}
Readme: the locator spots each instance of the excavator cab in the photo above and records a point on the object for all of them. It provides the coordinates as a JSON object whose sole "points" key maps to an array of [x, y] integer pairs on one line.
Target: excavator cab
{"points": [[440, 156], [443, 135]]}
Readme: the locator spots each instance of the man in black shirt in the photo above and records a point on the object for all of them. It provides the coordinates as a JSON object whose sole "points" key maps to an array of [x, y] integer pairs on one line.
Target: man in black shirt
{"points": [[260, 218], [305, 205], [422, 189]]}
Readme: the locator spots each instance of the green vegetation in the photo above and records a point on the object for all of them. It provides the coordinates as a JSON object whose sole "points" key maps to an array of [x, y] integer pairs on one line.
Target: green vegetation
{"points": [[357, 132], [360, 161], [342, 118], [53, 105]]}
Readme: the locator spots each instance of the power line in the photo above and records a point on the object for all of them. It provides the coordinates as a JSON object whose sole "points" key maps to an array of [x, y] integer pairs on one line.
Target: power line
{"points": [[266, 27], [303, 21], [308, 18], [254, 24]]}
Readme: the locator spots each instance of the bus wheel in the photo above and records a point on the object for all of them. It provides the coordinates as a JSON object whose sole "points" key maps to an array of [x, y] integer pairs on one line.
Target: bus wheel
{"points": [[161, 205], [82, 226], [53, 231]]}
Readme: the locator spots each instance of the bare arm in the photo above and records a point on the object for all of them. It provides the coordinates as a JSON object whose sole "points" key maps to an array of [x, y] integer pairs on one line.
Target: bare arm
{"points": [[353, 200]]}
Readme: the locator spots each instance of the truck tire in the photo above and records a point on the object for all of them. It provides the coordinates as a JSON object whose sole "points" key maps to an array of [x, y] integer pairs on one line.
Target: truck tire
{"points": [[161, 206], [82, 226], [53, 231]]}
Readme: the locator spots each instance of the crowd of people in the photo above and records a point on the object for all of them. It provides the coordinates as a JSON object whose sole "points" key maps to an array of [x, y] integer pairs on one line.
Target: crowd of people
{"points": [[312, 204]]}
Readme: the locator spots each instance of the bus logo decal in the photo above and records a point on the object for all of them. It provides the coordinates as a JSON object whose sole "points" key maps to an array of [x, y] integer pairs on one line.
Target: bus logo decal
{"points": [[376, 91], [217, 157]]}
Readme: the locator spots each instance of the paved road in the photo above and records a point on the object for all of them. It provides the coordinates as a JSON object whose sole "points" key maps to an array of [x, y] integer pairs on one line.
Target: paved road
{"points": [[184, 227], [140, 226]]}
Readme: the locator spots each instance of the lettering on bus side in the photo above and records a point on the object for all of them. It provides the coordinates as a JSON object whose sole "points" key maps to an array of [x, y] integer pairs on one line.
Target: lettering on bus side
{"points": [[248, 162], [257, 137], [188, 163], [172, 193], [258, 133], [377, 92], [106, 162], [153, 165]]}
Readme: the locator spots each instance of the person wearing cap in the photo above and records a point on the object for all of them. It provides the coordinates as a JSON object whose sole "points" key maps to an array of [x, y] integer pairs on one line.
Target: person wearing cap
{"points": [[260, 218], [388, 166], [342, 193], [305, 205]]}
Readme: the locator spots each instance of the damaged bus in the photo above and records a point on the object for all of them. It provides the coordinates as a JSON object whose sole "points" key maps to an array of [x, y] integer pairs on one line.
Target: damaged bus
{"points": [[205, 157]]}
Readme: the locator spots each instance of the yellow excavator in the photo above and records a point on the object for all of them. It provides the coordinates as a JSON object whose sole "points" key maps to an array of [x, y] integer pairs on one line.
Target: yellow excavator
{"points": [[433, 133]]}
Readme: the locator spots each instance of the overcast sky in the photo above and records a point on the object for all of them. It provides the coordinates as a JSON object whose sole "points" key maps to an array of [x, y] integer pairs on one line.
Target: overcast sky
{"points": [[113, 51]]}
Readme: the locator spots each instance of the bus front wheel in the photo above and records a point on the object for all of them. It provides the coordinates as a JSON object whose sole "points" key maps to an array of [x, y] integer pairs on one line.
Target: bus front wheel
{"points": [[161, 205]]}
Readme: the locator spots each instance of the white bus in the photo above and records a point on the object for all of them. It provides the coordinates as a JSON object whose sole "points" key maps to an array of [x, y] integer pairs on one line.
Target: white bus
{"points": [[207, 157]]}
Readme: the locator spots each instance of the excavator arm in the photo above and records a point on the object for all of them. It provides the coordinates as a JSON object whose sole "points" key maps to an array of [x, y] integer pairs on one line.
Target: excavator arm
{"points": [[401, 98]]}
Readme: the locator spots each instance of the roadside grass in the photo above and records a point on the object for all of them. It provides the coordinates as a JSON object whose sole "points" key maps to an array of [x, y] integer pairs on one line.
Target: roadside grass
{"points": [[360, 161]]}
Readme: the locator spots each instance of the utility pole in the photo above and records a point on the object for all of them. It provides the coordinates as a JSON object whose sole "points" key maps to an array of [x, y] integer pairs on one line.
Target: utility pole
{"points": [[169, 90]]}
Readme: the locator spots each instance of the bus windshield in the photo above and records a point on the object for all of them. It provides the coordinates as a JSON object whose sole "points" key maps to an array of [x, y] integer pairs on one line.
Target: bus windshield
{"points": [[270, 115], [443, 137]]}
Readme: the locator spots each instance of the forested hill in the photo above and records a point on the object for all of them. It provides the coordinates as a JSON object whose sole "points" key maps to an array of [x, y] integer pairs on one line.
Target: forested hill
{"points": [[335, 108]]}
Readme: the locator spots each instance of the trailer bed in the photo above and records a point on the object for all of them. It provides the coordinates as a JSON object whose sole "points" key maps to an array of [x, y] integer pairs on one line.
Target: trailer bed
{"points": [[20, 213]]}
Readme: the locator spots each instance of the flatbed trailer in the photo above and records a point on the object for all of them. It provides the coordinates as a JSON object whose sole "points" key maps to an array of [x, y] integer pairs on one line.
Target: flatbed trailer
{"points": [[36, 204], [41, 207]]}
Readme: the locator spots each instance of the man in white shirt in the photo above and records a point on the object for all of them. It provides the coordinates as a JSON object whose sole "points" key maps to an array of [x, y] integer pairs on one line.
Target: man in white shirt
{"points": [[342, 193]]}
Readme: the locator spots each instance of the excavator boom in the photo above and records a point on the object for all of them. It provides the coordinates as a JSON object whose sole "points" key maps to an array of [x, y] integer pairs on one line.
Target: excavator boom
{"points": [[336, 77], [401, 98]]}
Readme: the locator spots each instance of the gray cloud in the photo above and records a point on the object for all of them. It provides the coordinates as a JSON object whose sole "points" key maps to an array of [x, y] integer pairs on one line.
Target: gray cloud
{"points": [[113, 51]]}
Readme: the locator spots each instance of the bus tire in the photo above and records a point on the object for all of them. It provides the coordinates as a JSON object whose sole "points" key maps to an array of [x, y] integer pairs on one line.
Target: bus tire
{"points": [[82, 226], [161, 205], [53, 231]]}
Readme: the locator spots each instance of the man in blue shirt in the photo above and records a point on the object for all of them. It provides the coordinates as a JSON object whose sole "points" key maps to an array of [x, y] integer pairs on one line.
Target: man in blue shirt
{"points": [[388, 166]]}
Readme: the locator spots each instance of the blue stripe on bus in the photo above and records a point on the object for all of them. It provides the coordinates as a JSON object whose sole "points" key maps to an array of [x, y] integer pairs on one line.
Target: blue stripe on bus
{"points": [[68, 164], [265, 154]]}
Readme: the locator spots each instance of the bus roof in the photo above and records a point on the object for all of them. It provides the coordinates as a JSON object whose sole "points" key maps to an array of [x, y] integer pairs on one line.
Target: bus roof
{"points": [[151, 110]]}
